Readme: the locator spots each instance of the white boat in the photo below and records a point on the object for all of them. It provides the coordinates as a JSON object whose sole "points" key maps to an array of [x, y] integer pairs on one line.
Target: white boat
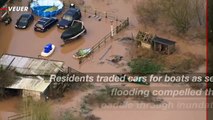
{"points": [[48, 50]]}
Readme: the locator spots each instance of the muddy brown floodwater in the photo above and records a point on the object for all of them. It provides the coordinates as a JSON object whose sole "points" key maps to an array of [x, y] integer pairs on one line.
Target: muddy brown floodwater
{"points": [[9, 107], [30, 43]]}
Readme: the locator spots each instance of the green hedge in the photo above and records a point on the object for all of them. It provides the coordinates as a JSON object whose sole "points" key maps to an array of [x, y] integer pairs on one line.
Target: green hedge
{"points": [[144, 66]]}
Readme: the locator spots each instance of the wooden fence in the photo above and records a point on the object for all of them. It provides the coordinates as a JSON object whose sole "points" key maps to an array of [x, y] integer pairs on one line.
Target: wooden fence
{"points": [[107, 37], [95, 12], [20, 116]]}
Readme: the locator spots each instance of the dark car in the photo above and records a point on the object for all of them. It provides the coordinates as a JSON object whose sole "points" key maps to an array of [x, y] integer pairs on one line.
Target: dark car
{"points": [[74, 31], [24, 21], [71, 14], [44, 24]]}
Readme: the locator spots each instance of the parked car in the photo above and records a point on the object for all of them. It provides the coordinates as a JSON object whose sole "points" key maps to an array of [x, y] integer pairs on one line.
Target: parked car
{"points": [[24, 21], [71, 14], [75, 30], [45, 24]]}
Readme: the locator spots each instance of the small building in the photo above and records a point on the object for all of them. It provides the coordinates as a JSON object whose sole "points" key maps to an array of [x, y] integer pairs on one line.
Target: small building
{"points": [[155, 43], [32, 83], [31, 87], [145, 39], [163, 45]]}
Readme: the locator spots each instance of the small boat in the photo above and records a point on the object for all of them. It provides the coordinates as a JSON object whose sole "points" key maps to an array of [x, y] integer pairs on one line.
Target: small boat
{"points": [[75, 30], [82, 53], [51, 9], [48, 50]]}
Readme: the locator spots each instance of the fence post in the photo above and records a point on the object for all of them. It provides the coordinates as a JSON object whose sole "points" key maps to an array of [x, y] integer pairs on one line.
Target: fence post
{"points": [[85, 10], [95, 12], [111, 26], [116, 19], [105, 14], [127, 21]]}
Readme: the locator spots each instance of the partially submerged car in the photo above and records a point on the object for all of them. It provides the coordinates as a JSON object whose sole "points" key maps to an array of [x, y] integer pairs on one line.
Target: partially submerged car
{"points": [[75, 30], [67, 19], [48, 50], [24, 21], [45, 24], [82, 53]]}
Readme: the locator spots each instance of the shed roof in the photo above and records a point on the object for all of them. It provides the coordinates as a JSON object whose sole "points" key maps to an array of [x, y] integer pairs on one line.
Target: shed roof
{"points": [[163, 41], [29, 65], [31, 84]]}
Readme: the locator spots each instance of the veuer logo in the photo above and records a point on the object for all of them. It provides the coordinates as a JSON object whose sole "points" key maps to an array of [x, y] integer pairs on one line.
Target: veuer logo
{"points": [[15, 8]]}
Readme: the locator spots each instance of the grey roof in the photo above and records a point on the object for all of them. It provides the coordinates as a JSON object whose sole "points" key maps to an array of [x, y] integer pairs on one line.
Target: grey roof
{"points": [[31, 84], [163, 41], [32, 66]]}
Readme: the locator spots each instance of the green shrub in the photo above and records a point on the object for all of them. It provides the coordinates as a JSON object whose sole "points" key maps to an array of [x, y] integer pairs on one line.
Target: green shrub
{"points": [[145, 66]]}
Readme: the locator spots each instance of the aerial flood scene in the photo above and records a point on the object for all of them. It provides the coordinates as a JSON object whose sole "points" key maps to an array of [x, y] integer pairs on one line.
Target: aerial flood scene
{"points": [[102, 59]]}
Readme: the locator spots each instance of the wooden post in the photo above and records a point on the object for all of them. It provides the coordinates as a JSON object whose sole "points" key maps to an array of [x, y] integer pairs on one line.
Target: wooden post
{"points": [[85, 10], [111, 28], [95, 12], [106, 15], [154, 46], [127, 21], [168, 50]]}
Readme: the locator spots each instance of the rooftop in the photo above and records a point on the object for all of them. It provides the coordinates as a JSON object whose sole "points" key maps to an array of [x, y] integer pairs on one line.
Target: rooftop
{"points": [[163, 41], [30, 66], [31, 84]]}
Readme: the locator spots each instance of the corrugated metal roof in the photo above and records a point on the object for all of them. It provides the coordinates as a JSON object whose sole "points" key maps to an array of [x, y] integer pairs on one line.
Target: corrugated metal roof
{"points": [[31, 66], [31, 84], [28, 65]]}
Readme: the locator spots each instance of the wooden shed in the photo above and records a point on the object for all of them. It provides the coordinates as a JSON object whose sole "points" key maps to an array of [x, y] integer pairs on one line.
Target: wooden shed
{"points": [[163, 45], [36, 86], [156, 43]]}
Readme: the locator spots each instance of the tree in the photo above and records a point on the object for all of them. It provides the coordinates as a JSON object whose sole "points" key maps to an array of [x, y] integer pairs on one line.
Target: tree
{"points": [[179, 12], [7, 78]]}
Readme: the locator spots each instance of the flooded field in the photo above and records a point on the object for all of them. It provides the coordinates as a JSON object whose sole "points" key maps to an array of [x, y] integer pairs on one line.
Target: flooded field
{"points": [[9, 107], [30, 43]]}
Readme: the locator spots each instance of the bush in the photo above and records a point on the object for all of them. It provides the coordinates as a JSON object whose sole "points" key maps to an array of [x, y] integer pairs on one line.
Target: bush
{"points": [[69, 116], [145, 66], [102, 96], [7, 78], [148, 11]]}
